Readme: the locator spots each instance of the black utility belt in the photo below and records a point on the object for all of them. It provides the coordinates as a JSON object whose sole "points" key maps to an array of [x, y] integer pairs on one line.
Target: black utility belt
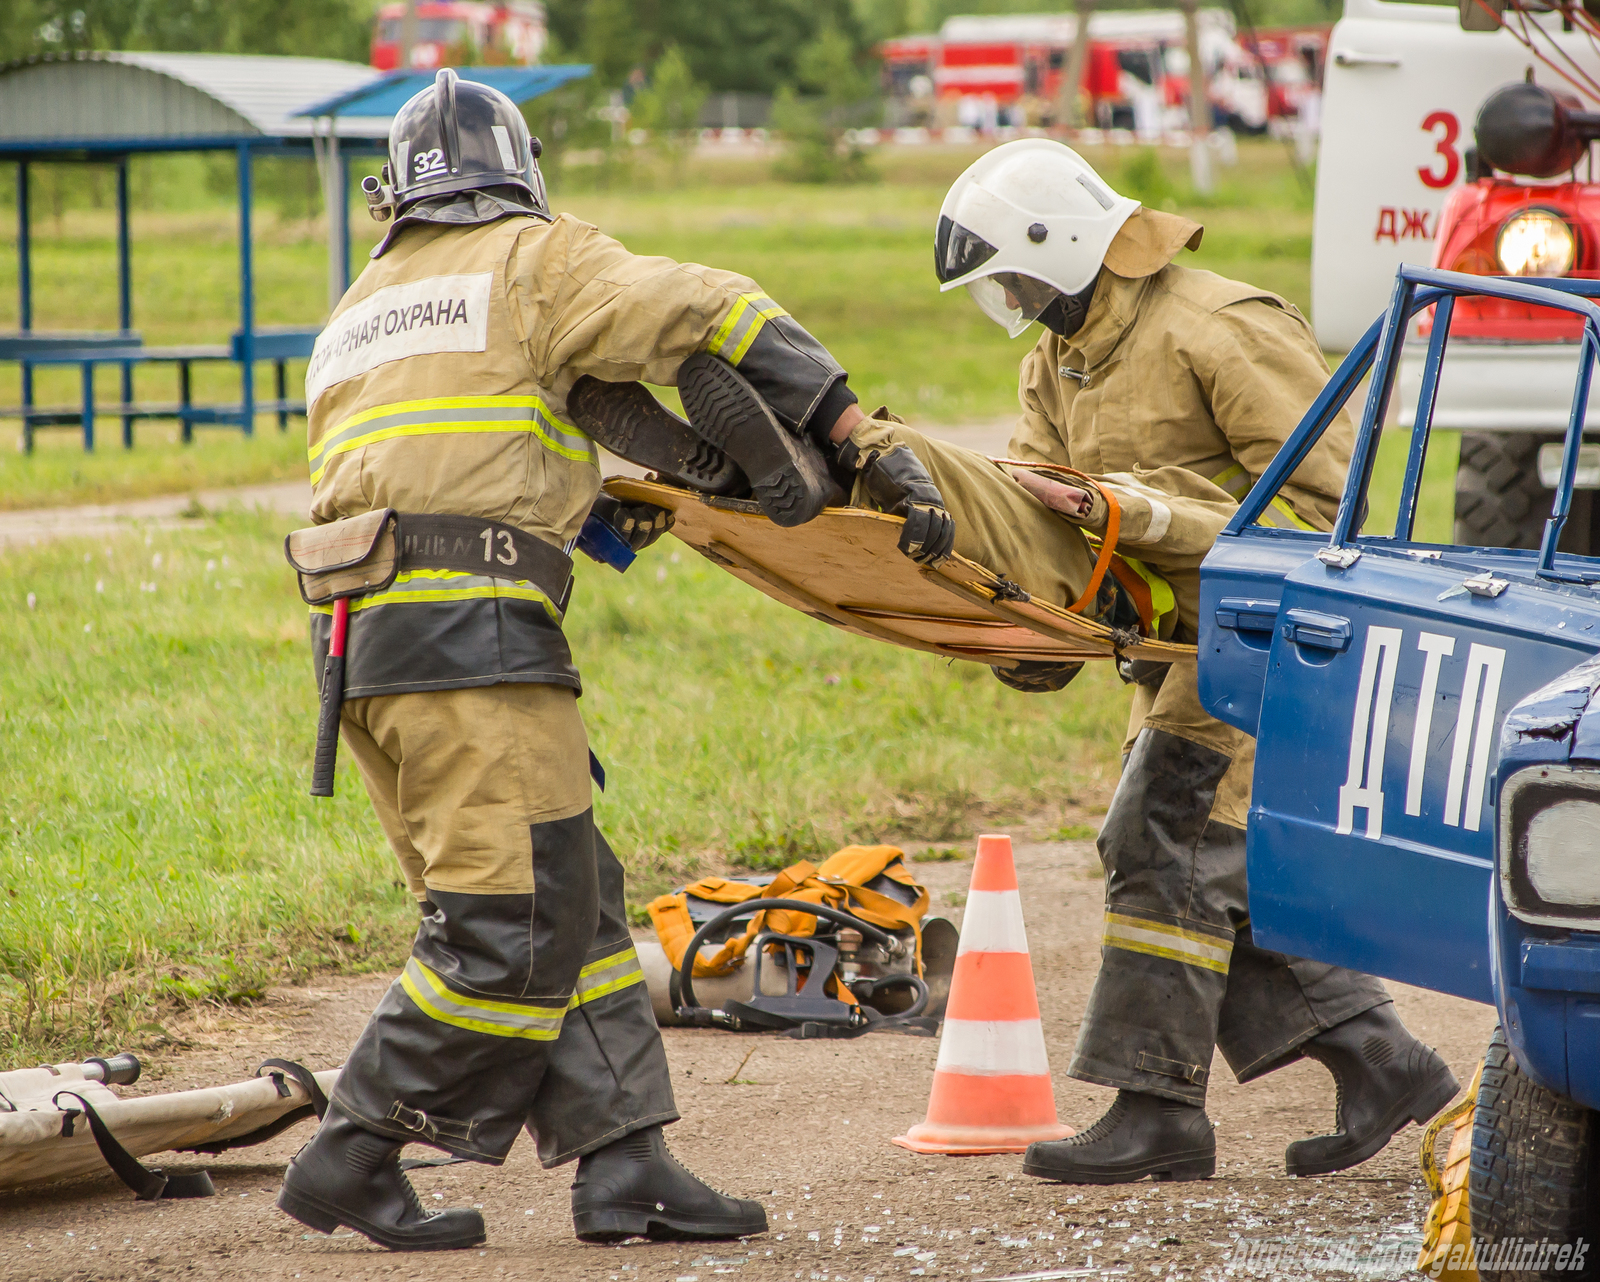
{"points": [[363, 554]]}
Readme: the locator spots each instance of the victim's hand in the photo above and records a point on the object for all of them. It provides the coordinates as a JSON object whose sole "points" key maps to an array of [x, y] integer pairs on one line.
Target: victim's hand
{"points": [[1058, 497]]}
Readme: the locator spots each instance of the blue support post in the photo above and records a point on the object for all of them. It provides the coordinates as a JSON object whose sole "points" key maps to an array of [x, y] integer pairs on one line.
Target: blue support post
{"points": [[247, 300], [124, 295], [185, 402], [25, 301], [87, 418]]}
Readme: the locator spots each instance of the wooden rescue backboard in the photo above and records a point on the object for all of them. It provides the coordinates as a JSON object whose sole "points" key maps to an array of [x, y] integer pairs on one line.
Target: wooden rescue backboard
{"points": [[846, 568]]}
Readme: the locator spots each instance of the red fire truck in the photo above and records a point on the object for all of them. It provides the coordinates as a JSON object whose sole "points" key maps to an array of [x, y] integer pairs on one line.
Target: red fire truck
{"points": [[461, 31], [1136, 74]]}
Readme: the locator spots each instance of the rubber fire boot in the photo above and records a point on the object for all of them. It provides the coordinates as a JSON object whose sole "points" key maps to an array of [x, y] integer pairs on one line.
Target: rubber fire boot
{"points": [[1383, 1078], [787, 471], [634, 1187], [347, 1175], [628, 420], [1139, 1135]]}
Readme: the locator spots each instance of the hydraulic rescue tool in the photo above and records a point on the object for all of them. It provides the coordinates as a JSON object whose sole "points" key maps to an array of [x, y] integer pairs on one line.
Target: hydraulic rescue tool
{"points": [[834, 950]]}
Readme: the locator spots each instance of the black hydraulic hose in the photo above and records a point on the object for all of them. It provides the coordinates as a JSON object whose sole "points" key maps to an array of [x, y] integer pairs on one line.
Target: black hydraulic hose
{"points": [[889, 981], [750, 908]]}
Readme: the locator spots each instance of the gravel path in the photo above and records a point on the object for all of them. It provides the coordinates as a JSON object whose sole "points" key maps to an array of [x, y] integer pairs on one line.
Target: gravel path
{"points": [[37, 525], [804, 1126]]}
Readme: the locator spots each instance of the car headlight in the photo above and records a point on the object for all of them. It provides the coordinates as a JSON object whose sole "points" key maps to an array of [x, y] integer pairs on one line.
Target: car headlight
{"points": [[1536, 242], [1550, 846]]}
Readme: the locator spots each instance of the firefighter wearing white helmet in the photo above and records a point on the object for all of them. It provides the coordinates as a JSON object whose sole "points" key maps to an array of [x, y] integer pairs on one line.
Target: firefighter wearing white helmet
{"points": [[1144, 365], [450, 478]]}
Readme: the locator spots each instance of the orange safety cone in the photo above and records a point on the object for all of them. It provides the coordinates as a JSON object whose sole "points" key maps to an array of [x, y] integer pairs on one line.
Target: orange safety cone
{"points": [[991, 1085]]}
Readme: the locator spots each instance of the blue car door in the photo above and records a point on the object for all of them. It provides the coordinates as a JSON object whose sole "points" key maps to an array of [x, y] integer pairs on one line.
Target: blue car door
{"points": [[1371, 831], [1386, 671], [1241, 583]]}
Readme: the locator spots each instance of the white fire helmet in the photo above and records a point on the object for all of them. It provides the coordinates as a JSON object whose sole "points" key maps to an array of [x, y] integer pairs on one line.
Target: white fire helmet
{"points": [[1027, 222]]}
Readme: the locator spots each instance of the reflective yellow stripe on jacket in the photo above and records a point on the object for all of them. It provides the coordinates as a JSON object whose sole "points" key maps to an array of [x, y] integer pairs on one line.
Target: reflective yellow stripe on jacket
{"points": [[741, 325], [411, 587], [1278, 514], [453, 415], [439, 1001], [1160, 939], [608, 975], [1163, 600]]}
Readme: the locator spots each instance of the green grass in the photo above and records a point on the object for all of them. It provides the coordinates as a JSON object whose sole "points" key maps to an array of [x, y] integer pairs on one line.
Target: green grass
{"points": [[60, 474], [1435, 520], [157, 845], [852, 263]]}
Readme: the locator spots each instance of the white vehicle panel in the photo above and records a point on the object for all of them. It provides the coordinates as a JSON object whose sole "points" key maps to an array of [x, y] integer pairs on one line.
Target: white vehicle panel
{"points": [[1485, 387], [1403, 87]]}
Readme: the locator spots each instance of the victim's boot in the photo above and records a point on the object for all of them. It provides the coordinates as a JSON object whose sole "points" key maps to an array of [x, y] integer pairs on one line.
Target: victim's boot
{"points": [[787, 470], [628, 420], [347, 1175], [633, 1187], [1383, 1078], [1139, 1135]]}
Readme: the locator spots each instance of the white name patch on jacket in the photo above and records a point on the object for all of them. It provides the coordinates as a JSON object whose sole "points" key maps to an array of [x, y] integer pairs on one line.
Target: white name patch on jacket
{"points": [[419, 318]]}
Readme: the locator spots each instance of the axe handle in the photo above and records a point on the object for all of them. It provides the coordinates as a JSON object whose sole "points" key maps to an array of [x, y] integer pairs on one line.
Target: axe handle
{"points": [[332, 702]]}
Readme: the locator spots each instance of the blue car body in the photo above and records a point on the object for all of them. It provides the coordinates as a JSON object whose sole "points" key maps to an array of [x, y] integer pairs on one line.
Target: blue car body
{"points": [[1426, 802]]}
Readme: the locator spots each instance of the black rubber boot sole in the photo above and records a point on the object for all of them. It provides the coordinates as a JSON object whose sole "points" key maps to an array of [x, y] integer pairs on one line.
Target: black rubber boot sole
{"points": [[620, 1221], [632, 424], [1421, 1106], [465, 1230], [1197, 1164], [787, 472]]}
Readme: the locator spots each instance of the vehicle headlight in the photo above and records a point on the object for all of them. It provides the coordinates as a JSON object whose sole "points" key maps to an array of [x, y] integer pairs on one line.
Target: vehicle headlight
{"points": [[1550, 846], [1536, 242]]}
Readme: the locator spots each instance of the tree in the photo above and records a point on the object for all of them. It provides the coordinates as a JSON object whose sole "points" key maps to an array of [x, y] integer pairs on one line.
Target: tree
{"points": [[736, 46], [613, 39], [321, 28], [815, 125], [670, 108]]}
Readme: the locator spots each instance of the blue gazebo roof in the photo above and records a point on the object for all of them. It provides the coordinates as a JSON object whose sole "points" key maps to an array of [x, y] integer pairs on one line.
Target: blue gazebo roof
{"points": [[385, 97]]}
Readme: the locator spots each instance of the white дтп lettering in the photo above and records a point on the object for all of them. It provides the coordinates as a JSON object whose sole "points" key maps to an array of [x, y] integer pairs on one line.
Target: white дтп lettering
{"points": [[418, 318], [1369, 732], [1487, 662], [1436, 647]]}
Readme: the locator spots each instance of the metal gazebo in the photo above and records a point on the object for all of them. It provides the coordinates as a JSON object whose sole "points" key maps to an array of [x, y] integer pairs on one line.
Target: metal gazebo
{"points": [[106, 107]]}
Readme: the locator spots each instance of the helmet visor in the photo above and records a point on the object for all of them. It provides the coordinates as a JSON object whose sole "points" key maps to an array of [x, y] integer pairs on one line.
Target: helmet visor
{"points": [[1011, 300], [957, 251]]}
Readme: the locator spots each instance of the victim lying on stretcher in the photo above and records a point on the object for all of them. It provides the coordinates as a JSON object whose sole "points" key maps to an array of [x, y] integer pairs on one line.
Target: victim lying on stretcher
{"points": [[1049, 565]]}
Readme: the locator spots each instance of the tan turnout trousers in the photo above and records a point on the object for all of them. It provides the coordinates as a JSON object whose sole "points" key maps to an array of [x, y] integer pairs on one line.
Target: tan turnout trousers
{"points": [[1170, 519]]}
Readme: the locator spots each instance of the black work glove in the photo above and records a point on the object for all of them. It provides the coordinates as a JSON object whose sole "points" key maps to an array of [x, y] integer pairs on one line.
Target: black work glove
{"points": [[639, 524], [901, 486], [1033, 676]]}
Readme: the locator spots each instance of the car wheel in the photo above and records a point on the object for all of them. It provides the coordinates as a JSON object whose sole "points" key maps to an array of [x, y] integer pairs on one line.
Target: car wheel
{"points": [[1535, 1177], [1501, 503]]}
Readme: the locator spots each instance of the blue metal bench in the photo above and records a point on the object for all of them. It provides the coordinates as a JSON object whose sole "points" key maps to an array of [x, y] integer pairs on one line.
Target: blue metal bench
{"points": [[126, 349]]}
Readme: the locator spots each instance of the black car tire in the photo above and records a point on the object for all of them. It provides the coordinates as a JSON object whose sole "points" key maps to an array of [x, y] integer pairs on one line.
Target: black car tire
{"points": [[1501, 503], [1535, 1170]]}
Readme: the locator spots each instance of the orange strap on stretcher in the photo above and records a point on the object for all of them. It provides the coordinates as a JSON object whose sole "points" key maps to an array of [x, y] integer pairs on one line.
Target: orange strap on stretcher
{"points": [[1108, 541]]}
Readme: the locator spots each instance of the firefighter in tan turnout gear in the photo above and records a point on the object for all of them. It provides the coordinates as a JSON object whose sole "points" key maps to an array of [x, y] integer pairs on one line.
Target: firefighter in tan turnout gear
{"points": [[438, 392], [1171, 389], [1144, 364]]}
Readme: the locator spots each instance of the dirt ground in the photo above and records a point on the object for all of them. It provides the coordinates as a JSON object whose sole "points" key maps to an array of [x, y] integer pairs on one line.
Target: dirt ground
{"points": [[804, 1127]]}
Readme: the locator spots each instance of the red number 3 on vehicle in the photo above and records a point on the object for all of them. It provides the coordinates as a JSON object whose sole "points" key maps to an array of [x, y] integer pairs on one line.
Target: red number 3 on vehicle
{"points": [[1444, 146]]}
